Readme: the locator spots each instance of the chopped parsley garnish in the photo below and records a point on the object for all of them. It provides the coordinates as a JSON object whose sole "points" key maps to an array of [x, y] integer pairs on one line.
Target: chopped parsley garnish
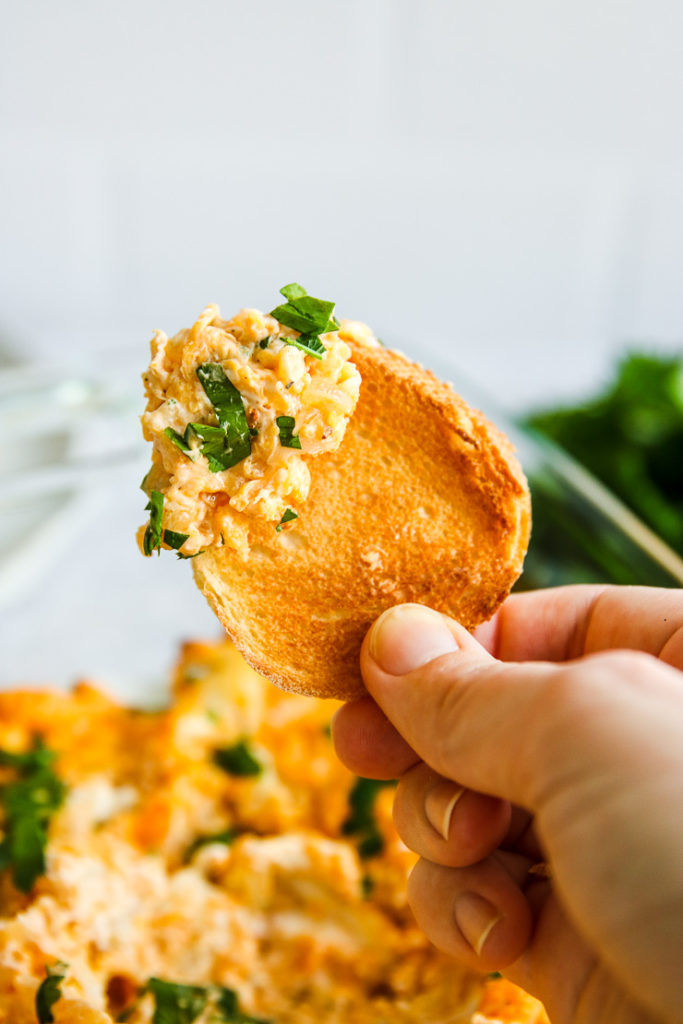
{"points": [[227, 837], [237, 759], [174, 1003], [154, 535], [288, 439], [289, 514], [308, 343], [361, 820], [264, 342], [173, 539], [232, 419], [372, 844], [49, 993], [29, 801], [152, 538], [228, 1007], [311, 317], [181, 441], [183, 1004], [366, 886]]}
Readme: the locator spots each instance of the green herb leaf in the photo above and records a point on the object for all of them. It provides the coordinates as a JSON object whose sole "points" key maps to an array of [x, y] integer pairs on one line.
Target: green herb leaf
{"points": [[29, 801], [289, 515], [179, 554], [49, 993], [237, 760], [227, 838], [286, 424], [292, 292], [38, 757], [175, 1003], [173, 539], [311, 317], [304, 313], [371, 845], [152, 538], [361, 820], [366, 886], [178, 440], [631, 438], [264, 342], [228, 1008], [308, 343], [232, 420], [225, 398]]}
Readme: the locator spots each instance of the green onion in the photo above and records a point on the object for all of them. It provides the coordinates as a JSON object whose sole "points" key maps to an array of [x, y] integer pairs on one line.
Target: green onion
{"points": [[49, 993], [237, 760], [289, 515], [286, 424], [152, 538]]}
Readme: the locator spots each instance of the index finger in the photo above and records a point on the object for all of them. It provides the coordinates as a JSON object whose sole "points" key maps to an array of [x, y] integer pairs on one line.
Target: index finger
{"points": [[566, 622]]}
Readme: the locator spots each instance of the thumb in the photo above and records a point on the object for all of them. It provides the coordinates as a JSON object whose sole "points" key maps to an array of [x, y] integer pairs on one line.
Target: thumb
{"points": [[486, 723]]}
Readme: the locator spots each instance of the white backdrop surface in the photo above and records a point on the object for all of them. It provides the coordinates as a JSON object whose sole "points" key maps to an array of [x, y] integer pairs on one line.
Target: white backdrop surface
{"points": [[503, 179], [500, 180]]}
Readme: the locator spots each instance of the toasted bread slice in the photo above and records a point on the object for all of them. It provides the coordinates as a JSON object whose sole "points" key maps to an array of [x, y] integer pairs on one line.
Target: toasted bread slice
{"points": [[424, 501]]}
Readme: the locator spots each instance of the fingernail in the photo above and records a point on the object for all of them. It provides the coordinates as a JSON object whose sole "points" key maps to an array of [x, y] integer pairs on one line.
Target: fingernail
{"points": [[408, 636], [440, 803], [476, 918]]}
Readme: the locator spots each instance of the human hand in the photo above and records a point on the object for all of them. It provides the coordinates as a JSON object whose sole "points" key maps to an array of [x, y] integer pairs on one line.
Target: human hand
{"points": [[543, 741]]}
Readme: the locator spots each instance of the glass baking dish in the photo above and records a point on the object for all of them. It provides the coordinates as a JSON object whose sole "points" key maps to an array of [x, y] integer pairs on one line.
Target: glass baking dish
{"points": [[77, 599]]}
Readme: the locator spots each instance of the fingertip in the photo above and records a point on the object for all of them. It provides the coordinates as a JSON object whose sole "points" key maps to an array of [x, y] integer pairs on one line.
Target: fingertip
{"points": [[407, 637], [367, 743], [478, 914]]}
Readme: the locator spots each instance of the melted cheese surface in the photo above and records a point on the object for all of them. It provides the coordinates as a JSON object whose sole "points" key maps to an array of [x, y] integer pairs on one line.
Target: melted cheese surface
{"points": [[289, 914], [274, 379]]}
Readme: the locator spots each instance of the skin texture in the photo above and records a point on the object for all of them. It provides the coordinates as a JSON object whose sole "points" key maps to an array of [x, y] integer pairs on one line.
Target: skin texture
{"points": [[548, 750]]}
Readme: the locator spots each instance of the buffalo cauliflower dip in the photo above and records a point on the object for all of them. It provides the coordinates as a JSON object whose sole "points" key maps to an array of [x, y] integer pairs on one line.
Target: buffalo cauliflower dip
{"points": [[212, 861], [236, 410]]}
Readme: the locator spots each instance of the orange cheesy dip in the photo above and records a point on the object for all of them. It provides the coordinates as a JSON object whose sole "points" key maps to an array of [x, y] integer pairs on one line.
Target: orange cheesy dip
{"points": [[212, 861], [236, 409]]}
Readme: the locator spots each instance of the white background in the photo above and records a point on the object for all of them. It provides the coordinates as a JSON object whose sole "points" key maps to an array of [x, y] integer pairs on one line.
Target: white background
{"points": [[502, 178]]}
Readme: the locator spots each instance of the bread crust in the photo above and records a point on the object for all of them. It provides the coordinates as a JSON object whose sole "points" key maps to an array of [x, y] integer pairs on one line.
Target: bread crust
{"points": [[424, 501]]}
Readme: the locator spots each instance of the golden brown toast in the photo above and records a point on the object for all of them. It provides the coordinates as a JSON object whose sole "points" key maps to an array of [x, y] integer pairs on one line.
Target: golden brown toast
{"points": [[424, 501]]}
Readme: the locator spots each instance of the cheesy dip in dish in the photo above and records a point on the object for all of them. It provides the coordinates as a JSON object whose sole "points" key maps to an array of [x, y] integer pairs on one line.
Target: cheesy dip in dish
{"points": [[236, 409], [212, 861]]}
